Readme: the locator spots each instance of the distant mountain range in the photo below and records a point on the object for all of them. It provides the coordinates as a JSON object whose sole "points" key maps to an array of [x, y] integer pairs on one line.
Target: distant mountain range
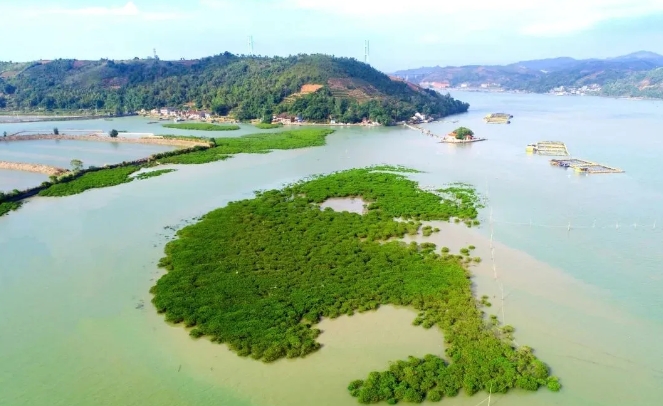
{"points": [[639, 74]]}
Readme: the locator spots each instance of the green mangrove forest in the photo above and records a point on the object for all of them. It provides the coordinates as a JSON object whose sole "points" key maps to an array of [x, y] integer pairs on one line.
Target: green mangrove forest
{"points": [[153, 174], [6, 207], [91, 180], [252, 144], [201, 127], [268, 126], [259, 274]]}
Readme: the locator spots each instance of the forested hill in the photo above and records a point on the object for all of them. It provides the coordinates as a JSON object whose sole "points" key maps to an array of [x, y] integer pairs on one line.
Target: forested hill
{"points": [[636, 74], [314, 86]]}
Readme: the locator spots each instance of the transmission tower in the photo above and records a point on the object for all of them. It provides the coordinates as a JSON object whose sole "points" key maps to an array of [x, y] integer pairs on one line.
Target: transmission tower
{"points": [[366, 52], [250, 44], [154, 51]]}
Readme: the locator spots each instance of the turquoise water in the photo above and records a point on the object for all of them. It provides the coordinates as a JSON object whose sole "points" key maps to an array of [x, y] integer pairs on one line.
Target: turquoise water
{"points": [[60, 152], [78, 328], [10, 180]]}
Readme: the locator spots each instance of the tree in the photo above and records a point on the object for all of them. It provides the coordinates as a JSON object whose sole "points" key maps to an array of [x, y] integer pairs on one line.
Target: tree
{"points": [[56, 131], [463, 132], [113, 133], [76, 165], [4, 134]]}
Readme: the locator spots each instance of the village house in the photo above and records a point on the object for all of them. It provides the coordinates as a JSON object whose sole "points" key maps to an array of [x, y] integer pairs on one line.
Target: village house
{"points": [[168, 111]]}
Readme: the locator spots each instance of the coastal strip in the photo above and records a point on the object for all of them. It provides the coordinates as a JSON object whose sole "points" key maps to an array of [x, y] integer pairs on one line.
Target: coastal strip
{"points": [[154, 140], [29, 167]]}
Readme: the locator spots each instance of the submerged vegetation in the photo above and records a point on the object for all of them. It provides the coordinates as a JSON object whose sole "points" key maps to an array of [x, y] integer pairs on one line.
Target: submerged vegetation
{"points": [[152, 174], [260, 273], [202, 127], [253, 144], [81, 179], [268, 126], [91, 180]]}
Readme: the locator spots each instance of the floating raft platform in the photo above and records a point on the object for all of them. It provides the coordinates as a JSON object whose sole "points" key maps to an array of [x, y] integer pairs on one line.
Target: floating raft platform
{"points": [[582, 166], [456, 141], [498, 118], [551, 148]]}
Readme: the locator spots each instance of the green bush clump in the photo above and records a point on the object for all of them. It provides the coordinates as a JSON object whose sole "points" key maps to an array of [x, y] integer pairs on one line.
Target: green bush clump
{"points": [[202, 127], [6, 207], [427, 231], [152, 174], [91, 180], [253, 144], [445, 250], [260, 273], [267, 126]]}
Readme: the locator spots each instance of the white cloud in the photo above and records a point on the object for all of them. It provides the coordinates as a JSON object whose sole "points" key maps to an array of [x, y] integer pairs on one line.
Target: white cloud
{"points": [[129, 10], [533, 17]]}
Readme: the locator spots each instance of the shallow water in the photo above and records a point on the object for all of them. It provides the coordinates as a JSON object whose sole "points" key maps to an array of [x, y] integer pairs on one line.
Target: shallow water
{"points": [[134, 124], [351, 205], [60, 153], [75, 271], [10, 180]]}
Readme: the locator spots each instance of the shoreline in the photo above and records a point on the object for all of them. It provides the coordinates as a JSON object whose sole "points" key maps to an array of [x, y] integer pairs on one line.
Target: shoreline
{"points": [[153, 140], [630, 98], [35, 118]]}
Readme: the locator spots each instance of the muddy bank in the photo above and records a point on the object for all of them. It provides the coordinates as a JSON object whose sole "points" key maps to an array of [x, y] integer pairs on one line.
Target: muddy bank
{"points": [[28, 167], [155, 140]]}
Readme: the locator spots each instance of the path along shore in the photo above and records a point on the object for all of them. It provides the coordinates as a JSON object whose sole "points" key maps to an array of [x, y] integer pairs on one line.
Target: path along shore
{"points": [[155, 140], [28, 167]]}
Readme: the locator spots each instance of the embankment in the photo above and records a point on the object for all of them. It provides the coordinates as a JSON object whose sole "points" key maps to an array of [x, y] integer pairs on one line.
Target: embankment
{"points": [[155, 140], [28, 167]]}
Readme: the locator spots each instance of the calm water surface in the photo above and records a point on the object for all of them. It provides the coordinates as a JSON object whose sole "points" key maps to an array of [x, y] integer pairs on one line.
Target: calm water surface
{"points": [[78, 328]]}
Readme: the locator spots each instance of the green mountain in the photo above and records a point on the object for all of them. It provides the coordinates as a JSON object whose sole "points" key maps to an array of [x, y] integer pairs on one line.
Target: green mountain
{"points": [[247, 87], [635, 74]]}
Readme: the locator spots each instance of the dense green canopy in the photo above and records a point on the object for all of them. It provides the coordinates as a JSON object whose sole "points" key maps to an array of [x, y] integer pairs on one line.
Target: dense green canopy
{"points": [[248, 87], [462, 132], [260, 273]]}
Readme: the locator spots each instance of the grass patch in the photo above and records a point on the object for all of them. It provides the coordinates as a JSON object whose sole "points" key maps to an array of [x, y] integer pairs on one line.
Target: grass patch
{"points": [[253, 144], [152, 174], [6, 207], [260, 273], [201, 127], [267, 126], [91, 180]]}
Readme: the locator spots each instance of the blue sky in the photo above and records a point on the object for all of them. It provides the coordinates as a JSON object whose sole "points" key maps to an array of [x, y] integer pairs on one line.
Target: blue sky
{"points": [[403, 34]]}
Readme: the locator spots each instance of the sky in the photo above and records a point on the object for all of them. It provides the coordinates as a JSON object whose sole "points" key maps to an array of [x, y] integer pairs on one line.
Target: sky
{"points": [[402, 33]]}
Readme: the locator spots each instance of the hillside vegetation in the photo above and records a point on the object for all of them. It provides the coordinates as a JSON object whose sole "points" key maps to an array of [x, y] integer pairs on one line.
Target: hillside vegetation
{"points": [[313, 86], [636, 74]]}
